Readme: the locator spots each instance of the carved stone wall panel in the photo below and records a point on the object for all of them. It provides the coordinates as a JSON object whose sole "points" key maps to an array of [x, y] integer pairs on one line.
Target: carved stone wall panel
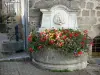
{"points": [[85, 21], [57, 17]]}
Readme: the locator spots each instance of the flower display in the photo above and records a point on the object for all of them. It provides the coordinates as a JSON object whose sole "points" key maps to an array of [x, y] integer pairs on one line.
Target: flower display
{"points": [[72, 41]]}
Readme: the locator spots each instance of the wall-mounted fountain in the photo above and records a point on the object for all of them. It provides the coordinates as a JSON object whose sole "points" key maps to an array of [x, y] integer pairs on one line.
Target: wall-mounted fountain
{"points": [[57, 17]]}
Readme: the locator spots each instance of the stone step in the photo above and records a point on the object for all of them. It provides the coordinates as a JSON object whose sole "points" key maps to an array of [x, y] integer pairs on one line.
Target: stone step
{"points": [[16, 57]]}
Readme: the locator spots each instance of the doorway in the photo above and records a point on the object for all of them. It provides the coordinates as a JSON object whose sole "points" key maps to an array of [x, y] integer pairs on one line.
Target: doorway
{"points": [[96, 47], [12, 10]]}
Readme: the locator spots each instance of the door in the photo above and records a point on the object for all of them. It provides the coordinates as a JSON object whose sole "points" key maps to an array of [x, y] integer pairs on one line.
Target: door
{"points": [[96, 47]]}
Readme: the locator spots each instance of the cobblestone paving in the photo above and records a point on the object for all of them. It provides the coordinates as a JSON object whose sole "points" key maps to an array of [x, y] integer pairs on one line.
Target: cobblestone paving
{"points": [[26, 68]]}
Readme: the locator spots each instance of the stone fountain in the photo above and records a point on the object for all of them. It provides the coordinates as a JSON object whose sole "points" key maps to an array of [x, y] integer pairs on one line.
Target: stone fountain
{"points": [[57, 17]]}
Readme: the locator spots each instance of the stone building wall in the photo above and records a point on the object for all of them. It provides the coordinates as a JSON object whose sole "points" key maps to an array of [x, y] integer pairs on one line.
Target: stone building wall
{"points": [[88, 14]]}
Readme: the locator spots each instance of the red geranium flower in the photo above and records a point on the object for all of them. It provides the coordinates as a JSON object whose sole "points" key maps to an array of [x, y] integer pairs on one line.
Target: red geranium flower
{"points": [[39, 47], [91, 43], [30, 39], [31, 50], [43, 39], [64, 37], [51, 42], [70, 35], [84, 38], [67, 30], [76, 34], [80, 53], [85, 31], [82, 43]]}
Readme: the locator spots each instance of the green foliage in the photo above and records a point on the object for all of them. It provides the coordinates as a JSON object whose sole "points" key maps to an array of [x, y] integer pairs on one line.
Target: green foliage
{"points": [[65, 39]]}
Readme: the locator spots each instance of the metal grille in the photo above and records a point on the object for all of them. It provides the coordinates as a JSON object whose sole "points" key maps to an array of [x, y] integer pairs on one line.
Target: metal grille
{"points": [[96, 47]]}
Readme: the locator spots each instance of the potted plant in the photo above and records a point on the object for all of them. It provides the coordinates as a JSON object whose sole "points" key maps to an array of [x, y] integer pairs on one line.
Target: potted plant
{"points": [[59, 49]]}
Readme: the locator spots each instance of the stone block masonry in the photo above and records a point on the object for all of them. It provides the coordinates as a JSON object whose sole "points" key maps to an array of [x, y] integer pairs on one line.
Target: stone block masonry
{"points": [[88, 15]]}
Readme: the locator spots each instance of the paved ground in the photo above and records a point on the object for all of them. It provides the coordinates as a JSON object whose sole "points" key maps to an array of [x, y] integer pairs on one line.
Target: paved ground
{"points": [[26, 68]]}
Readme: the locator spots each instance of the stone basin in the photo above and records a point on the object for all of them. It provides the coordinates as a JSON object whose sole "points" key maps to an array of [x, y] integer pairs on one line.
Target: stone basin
{"points": [[12, 46], [59, 60]]}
